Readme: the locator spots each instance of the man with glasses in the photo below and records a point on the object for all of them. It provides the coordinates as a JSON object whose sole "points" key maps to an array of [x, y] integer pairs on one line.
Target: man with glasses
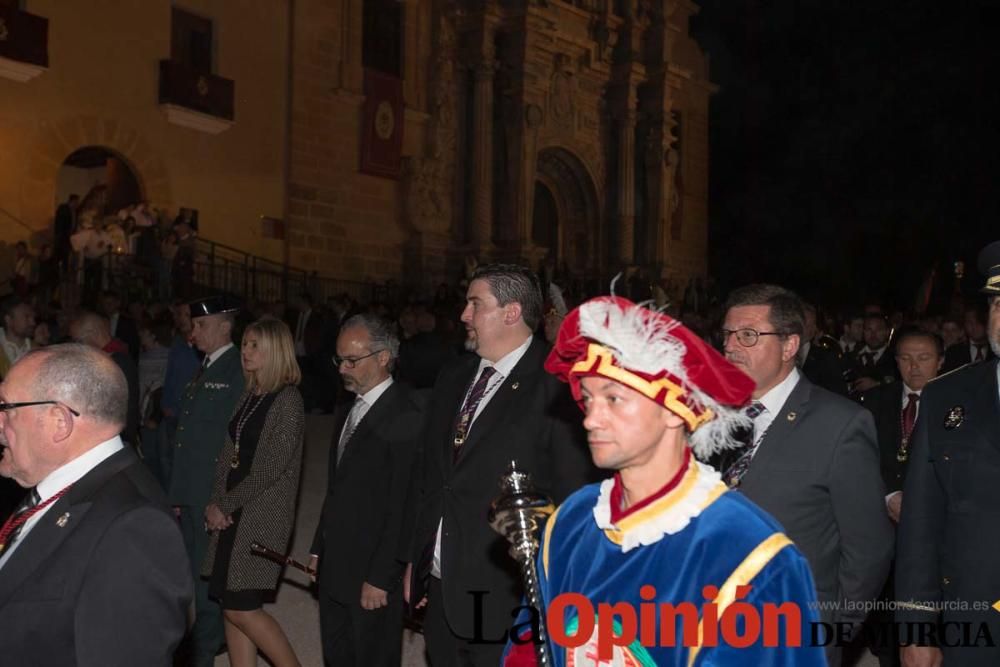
{"points": [[811, 459], [205, 409], [92, 566], [357, 544]]}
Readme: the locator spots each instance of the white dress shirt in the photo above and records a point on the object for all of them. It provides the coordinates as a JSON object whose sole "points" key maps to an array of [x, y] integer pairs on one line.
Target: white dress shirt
{"points": [[59, 479], [218, 353], [773, 401]]}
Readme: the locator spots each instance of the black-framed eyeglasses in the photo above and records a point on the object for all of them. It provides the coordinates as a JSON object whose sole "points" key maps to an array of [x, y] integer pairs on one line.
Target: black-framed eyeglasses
{"points": [[4, 406], [745, 337], [351, 362]]}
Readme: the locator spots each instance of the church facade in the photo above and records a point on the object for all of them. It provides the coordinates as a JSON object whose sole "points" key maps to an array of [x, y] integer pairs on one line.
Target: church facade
{"points": [[395, 139], [567, 135]]}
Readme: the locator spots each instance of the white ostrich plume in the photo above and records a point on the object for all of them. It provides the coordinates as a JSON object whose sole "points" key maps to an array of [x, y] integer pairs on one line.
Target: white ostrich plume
{"points": [[637, 342], [645, 344]]}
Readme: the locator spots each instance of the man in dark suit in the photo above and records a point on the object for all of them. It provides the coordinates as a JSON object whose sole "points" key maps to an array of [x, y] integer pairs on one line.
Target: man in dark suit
{"points": [[975, 348], [92, 568], [895, 407], [360, 537], [812, 461], [487, 410], [206, 407], [919, 357], [820, 358], [874, 363], [946, 561]]}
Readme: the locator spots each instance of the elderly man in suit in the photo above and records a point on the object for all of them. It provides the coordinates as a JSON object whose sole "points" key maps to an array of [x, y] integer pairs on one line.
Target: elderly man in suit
{"points": [[206, 407], [812, 460], [486, 410], [371, 459], [946, 563], [92, 568]]}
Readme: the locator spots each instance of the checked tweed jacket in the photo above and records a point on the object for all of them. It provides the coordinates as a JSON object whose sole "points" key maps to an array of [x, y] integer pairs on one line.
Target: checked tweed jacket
{"points": [[266, 496]]}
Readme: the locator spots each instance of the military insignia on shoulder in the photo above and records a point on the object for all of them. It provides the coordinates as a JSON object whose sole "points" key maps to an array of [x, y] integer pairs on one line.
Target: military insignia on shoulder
{"points": [[954, 418]]}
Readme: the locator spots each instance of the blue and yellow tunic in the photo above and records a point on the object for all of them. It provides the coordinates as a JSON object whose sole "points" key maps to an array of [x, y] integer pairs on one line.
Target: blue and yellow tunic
{"points": [[693, 542]]}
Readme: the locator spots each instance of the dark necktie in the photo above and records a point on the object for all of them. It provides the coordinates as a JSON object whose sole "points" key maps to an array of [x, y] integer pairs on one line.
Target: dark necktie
{"points": [[910, 415], [980, 352], [200, 371], [12, 527], [735, 472], [463, 423]]}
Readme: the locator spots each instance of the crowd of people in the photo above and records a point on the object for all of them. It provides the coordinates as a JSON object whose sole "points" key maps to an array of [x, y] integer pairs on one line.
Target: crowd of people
{"points": [[751, 441]]}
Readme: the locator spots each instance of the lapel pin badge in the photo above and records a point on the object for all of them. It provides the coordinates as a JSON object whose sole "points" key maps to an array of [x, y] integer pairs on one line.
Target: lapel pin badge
{"points": [[954, 418], [515, 386], [791, 416], [63, 520]]}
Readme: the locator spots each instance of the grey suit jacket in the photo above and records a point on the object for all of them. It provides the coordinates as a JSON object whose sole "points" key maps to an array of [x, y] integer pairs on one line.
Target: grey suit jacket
{"points": [[817, 472]]}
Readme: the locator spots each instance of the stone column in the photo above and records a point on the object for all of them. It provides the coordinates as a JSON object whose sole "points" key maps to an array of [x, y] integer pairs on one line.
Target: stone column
{"points": [[482, 154], [626, 187]]}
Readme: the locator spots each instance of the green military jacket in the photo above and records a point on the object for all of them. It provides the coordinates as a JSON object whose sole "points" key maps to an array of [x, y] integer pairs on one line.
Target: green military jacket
{"points": [[206, 407]]}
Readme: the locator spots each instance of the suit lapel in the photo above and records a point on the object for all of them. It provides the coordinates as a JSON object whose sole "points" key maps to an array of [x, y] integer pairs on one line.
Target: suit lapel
{"points": [[520, 380], [375, 415], [783, 424], [52, 529]]}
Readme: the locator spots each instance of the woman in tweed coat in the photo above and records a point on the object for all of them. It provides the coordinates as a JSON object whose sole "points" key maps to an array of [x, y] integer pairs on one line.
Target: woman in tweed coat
{"points": [[256, 483]]}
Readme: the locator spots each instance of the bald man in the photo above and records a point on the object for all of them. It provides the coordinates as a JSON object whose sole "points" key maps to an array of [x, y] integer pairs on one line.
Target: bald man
{"points": [[92, 566], [93, 330]]}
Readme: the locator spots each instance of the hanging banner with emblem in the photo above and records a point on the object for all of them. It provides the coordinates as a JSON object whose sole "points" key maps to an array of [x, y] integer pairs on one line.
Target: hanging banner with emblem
{"points": [[382, 125]]}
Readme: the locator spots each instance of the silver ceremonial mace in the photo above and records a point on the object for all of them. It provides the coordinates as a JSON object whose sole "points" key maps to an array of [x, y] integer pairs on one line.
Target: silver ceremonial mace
{"points": [[516, 514]]}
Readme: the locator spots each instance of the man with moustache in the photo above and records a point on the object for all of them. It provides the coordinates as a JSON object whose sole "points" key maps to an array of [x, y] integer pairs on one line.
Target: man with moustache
{"points": [[371, 460], [206, 407], [811, 460], [486, 409], [946, 562]]}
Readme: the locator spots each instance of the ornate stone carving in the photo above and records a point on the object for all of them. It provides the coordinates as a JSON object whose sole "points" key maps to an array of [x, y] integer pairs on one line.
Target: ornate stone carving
{"points": [[605, 38], [533, 116], [562, 90], [429, 179]]}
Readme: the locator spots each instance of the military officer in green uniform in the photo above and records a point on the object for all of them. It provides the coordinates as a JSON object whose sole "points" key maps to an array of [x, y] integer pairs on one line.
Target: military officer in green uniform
{"points": [[206, 406]]}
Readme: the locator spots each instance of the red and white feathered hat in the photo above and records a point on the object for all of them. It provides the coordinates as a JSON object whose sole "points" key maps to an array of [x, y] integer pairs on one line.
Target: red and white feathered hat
{"points": [[660, 358]]}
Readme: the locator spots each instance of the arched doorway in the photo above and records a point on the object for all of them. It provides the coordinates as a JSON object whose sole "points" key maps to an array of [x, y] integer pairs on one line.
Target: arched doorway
{"points": [[103, 179], [565, 214]]}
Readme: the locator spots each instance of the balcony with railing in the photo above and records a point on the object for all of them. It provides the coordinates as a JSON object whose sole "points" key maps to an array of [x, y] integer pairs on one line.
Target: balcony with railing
{"points": [[24, 44], [197, 100]]}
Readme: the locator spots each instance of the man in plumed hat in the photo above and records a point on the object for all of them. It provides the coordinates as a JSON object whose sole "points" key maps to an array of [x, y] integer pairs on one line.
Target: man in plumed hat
{"points": [[206, 406], [948, 545], [664, 531]]}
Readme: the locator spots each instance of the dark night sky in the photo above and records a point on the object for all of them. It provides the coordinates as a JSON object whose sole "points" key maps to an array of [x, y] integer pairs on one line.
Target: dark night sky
{"points": [[853, 144]]}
